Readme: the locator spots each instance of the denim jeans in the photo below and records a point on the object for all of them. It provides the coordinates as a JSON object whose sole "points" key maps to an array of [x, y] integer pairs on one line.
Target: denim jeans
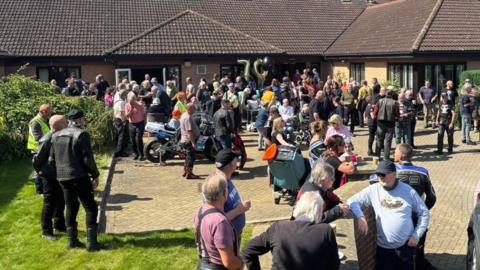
{"points": [[224, 142], [403, 131], [466, 126], [261, 132], [442, 128], [402, 258]]}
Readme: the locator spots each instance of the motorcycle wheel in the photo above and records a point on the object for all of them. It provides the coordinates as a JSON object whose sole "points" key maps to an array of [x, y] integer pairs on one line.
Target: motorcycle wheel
{"points": [[210, 150], [152, 151]]}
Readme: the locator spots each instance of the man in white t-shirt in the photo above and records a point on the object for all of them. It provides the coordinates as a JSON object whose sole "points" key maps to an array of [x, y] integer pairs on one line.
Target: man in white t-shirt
{"points": [[121, 123], [191, 91]]}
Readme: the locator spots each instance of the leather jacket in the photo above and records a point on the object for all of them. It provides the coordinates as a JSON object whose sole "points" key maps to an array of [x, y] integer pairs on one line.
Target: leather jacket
{"points": [[40, 160], [72, 154], [222, 123]]}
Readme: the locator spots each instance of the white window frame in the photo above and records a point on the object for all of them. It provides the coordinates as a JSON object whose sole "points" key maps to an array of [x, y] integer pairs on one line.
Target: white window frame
{"points": [[117, 74]]}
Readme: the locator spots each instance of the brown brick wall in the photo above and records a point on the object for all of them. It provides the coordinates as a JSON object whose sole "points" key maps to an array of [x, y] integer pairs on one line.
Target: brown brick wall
{"points": [[367, 244]]}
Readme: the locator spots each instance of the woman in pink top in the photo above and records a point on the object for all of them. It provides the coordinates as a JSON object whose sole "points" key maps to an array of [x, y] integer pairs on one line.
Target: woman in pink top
{"points": [[108, 99], [337, 128], [135, 113]]}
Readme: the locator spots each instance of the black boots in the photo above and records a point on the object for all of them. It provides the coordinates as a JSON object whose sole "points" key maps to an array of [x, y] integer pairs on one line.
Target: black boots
{"points": [[48, 234], [92, 243], [72, 235]]}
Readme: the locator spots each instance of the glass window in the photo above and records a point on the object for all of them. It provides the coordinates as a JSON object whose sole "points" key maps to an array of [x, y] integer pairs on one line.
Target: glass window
{"points": [[59, 73], [357, 72], [402, 72]]}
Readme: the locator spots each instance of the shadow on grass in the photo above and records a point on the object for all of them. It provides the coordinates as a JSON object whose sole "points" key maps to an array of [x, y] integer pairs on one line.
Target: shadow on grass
{"points": [[164, 239], [13, 176]]}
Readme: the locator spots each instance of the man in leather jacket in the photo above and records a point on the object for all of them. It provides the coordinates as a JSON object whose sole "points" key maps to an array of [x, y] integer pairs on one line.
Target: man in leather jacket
{"points": [[418, 178], [53, 202], [223, 126], [75, 164]]}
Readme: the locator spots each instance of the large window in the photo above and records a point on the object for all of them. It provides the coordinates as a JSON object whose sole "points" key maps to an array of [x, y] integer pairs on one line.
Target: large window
{"points": [[438, 74], [58, 73], [232, 71], [357, 71], [401, 72]]}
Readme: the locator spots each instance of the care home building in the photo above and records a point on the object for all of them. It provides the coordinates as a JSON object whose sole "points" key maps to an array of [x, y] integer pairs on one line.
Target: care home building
{"points": [[175, 39]]}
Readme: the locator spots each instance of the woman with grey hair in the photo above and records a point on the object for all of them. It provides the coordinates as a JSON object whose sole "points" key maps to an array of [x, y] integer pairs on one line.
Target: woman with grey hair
{"points": [[303, 243], [321, 181]]}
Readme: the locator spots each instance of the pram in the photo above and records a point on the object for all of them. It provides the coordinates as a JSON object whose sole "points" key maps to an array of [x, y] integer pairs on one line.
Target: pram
{"points": [[288, 171]]}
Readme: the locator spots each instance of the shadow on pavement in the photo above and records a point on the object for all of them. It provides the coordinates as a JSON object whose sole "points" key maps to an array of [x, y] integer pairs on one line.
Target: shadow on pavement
{"points": [[252, 173], [125, 198], [447, 261]]}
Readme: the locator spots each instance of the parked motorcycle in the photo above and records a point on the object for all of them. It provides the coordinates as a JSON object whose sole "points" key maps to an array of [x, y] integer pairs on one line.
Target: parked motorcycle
{"points": [[166, 142]]}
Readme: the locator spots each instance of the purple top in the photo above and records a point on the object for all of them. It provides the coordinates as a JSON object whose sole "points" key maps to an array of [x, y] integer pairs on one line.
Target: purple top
{"points": [[217, 232]]}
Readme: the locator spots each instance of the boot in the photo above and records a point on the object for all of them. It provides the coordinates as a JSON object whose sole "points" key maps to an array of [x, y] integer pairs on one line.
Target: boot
{"points": [[48, 234], [184, 171], [92, 243], [72, 235], [189, 174]]}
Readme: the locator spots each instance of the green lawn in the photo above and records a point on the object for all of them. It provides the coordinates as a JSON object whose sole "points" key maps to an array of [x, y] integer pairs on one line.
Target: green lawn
{"points": [[22, 247]]}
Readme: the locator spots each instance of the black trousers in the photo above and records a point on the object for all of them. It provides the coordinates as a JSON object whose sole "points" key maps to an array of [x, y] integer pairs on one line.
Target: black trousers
{"points": [[362, 106], [350, 116], [384, 140], [402, 258], [75, 190], [412, 130], [122, 135], [136, 136], [190, 157], [53, 205], [441, 132], [372, 130], [237, 119]]}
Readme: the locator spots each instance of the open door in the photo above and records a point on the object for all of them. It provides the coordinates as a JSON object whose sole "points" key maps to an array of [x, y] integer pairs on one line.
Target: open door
{"points": [[122, 73]]}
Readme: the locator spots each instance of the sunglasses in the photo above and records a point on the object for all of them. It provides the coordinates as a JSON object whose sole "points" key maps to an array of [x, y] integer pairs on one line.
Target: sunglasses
{"points": [[381, 175]]}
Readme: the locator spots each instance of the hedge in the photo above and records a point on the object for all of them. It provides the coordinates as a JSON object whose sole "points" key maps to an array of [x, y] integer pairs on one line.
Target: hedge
{"points": [[20, 98], [474, 75]]}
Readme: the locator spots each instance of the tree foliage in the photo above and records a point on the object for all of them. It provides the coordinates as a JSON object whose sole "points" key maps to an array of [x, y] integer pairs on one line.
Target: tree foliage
{"points": [[20, 98]]}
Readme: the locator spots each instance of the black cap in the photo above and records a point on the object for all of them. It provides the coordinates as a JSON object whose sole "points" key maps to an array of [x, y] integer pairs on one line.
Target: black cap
{"points": [[75, 114], [224, 157], [385, 167]]}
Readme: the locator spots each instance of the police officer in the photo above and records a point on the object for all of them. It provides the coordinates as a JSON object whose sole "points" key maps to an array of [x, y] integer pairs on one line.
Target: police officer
{"points": [[53, 202], [418, 178], [73, 157], [37, 127]]}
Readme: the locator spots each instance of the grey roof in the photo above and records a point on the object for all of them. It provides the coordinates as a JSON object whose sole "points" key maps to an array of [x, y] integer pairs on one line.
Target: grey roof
{"points": [[89, 28]]}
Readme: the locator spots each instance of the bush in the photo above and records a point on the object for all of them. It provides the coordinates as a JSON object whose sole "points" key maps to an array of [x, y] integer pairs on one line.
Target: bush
{"points": [[395, 83], [474, 75], [20, 98]]}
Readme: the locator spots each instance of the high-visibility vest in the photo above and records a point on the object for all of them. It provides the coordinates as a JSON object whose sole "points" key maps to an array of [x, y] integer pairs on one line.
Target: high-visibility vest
{"points": [[182, 107], [33, 144]]}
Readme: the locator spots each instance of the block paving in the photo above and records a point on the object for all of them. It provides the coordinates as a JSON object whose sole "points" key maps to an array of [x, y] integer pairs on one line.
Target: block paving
{"points": [[146, 197]]}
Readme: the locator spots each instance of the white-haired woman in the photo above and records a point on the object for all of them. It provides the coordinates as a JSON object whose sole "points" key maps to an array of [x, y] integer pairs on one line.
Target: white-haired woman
{"points": [[337, 128], [321, 181]]}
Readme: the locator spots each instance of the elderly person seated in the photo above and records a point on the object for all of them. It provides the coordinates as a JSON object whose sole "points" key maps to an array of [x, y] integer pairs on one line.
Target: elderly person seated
{"points": [[337, 128], [214, 234], [321, 181], [303, 243]]}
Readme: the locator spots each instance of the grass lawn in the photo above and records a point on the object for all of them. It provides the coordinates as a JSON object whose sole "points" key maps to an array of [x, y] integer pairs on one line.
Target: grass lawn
{"points": [[22, 247]]}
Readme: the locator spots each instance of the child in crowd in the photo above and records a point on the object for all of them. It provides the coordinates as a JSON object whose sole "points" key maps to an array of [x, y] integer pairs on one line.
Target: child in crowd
{"points": [[108, 99], [175, 121], [348, 156]]}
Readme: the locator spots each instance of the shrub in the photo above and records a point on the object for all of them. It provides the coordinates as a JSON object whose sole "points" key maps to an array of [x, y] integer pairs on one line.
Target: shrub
{"points": [[474, 75], [20, 98], [395, 83]]}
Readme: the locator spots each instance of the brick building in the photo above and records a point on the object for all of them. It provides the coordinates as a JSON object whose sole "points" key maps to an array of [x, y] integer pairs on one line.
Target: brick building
{"points": [[172, 39]]}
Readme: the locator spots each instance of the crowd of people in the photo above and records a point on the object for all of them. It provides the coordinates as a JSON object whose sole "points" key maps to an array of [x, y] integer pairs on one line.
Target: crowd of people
{"points": [[327, 114]]}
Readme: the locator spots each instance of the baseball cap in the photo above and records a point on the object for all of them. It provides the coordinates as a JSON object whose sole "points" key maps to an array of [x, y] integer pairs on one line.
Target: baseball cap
{"points": [[385, 167], [75, 114], [224, 157]]}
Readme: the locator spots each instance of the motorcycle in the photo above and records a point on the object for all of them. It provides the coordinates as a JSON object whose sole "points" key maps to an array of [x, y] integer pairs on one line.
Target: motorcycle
{"points": [[166, 142]]}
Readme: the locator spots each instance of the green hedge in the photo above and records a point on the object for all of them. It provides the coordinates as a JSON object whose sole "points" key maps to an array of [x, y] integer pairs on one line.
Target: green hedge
{"points": [[20, 98], [474, 75]]}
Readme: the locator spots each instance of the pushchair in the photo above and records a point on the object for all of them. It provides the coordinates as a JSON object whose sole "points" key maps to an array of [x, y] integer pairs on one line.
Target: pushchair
{"points": [[288, 171]]}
